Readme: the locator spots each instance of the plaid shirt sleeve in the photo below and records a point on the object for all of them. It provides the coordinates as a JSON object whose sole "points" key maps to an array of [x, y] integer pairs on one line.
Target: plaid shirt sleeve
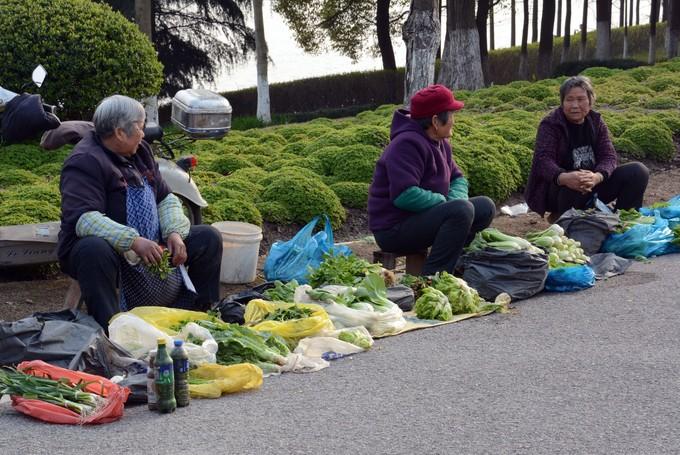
{"points": [[172, 218], [95, 223]]}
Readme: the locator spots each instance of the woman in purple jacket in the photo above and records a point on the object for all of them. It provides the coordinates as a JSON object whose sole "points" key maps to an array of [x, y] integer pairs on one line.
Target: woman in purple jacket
{"points": [[419, 197], [574, 159]]}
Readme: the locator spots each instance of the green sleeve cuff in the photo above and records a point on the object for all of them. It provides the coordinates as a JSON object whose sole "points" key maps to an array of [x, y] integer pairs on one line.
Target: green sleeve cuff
{"points": [[171, 217], [416, 199], [458, 189], [119, 236]]}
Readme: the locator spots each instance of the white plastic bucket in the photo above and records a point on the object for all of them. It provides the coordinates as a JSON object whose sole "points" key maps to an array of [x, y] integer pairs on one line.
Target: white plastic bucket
{"points": [[240, 251]]}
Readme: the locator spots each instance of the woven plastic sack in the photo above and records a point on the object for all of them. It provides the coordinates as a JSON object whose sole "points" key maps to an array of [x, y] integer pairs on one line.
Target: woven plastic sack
{"points": [[292, 330], [212, 380], [291, 260], [569, 279], [115, 395]]}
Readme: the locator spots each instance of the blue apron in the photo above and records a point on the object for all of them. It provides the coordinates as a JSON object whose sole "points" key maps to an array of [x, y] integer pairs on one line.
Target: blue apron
{"points": [[140, 286]]}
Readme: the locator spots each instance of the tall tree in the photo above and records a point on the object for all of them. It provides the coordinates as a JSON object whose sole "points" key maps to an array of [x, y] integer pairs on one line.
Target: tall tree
{"points": [[421, 34], [664, 10], [545, 46], [461, 63], [513, 23], [622, 12], [625, 29], [559, 19], [603, 46], [184, 34], [350, 27], [637, 13], [534, 22], [523, 71], [653, 19], [492, 28], [262, 52], [584, 32], [482, 18], [673, 28], [566, 43]]}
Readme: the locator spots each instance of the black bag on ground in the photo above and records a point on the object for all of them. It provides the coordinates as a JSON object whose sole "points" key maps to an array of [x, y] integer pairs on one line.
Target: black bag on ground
{"points": [[590, 228], [520, 274]]}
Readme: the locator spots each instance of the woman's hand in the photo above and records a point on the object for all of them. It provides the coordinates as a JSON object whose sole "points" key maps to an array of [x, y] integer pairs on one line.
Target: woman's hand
{"points": [[575, 180], [591, 180], [148, 250], [177, 249]]}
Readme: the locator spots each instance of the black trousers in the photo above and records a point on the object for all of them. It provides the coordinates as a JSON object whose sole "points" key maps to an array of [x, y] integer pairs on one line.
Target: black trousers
{"points": [[446, 227], [95, 264], [626, 185]]}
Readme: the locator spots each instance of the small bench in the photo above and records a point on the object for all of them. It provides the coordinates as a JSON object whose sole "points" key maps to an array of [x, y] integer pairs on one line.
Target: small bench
{"points": [[414, 261]]}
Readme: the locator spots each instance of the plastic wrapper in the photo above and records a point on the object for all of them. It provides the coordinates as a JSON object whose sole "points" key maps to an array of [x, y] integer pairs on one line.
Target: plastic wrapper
{"points": [[643, 240], [213, 381], [292, 330], [569, 279]]}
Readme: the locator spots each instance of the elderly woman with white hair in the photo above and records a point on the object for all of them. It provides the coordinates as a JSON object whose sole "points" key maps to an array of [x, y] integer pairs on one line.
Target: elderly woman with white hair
{"points": [[574, 159], [117, 212]]}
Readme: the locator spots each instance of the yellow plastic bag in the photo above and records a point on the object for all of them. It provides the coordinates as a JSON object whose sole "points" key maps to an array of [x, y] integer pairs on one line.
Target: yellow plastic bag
{"points": [[295, 329], [164, 318], [221, 379]]}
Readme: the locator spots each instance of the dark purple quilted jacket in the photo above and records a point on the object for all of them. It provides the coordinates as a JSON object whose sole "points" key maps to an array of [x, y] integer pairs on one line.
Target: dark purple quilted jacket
{"points": [[551, 155]]}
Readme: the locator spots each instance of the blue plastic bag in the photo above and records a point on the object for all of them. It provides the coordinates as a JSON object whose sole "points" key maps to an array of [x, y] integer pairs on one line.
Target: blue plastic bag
{"points": [[568, 279], [672, 211], [289, 260], [643, 240]]}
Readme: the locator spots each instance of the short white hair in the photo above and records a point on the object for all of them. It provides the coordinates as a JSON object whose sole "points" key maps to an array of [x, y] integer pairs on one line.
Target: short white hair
{"points": [[117, 111]]}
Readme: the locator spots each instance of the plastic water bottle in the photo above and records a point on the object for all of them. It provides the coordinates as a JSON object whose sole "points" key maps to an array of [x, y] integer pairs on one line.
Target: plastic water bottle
{"points": [[165, 379], [151, 392], [180, 361]]}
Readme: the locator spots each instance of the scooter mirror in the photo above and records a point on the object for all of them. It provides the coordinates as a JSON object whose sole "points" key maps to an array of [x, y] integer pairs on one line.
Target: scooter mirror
{"points": [[39, 74]]}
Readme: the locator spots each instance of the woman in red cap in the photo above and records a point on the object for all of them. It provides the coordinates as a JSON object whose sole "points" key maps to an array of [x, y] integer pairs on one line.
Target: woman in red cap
{"points": [[419, 197]]}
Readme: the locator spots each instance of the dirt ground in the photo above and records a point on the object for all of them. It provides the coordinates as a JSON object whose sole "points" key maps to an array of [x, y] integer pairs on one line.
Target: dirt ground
{"points": [[25, 292]]}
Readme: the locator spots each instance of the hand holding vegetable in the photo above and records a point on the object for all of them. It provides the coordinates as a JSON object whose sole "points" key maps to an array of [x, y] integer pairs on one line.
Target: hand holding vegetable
{"points": [[148, 250], [177, 249]]}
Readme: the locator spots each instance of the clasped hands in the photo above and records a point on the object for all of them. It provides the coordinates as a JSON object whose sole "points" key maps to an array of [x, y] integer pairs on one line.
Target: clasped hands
{"points": [[580, 180], [151, 252]]}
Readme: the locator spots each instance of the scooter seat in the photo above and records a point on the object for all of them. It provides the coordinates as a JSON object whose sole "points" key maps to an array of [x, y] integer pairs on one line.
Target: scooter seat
{"points": [[152, 132]]}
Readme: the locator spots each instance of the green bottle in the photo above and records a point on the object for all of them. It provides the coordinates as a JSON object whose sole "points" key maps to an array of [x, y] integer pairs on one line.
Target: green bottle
{"points": [[165, 379], [180, 360]]}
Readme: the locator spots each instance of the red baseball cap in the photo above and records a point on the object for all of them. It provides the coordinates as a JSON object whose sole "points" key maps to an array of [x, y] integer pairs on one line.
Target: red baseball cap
{"points": [[433, 100]]}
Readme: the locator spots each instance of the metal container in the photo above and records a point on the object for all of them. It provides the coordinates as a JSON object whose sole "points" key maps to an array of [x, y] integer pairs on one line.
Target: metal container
{"points": [[202, 114]]}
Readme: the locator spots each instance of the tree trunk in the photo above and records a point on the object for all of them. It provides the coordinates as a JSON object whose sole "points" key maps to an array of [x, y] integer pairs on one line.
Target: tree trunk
{"points": [[673, 28], [653, 19], [523, 71], [625, 28], [144, 20], [534, 22], [566, 43], [461, 64], [513, 23], [622, 12], [421, 34], [482, 19], [664, 11], [559, 19], [631, 10], [603, 46], [584, 32], [545, 46], [492, 32], [637, 13], [382, 25], [262, 55]]}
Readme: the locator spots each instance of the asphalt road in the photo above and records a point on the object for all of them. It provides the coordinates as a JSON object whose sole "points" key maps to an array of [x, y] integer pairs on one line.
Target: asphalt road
{"points": [[589, 372]]}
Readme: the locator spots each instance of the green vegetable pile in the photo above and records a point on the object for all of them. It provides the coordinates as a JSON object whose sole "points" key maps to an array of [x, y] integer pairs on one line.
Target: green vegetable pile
{"points": [[290, 313], [433, 304], [341, 270], [631, 217], [282, 292], [59, 392], [463, 298], [355, 337], [162, 269], [562, 251], [493, 238], [370, 294]]}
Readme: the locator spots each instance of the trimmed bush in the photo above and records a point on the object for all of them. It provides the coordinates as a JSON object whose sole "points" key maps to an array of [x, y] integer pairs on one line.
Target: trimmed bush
{"points": [[376, 136], [252, 174], [89, 52], [352, 194], [216, 193], [232, 210], [249, 189], [662, 82], [227, 164], [661, 102], [11, 177], [355, 163], [41, 192], [669, 118], [274, 212], [655, 140], [27, 211], [628, 148], [206, 178], [304, 198]]}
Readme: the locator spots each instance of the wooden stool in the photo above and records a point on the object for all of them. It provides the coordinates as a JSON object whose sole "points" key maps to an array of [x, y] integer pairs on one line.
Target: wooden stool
{"points": [[414, 261]]}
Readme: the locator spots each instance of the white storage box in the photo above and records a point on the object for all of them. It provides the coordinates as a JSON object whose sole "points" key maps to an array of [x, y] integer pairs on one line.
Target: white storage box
{"points": [[202, 114]]}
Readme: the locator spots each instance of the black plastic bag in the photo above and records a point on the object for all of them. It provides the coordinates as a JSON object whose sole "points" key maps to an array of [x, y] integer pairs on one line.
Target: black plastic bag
{"points": [[402, 296], [520, 274], [591, 228]]}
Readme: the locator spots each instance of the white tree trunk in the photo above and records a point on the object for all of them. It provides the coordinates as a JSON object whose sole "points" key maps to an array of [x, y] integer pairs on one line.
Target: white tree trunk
{"points": [[421, 34], [461, 63], [262, 53], [603, 47]]}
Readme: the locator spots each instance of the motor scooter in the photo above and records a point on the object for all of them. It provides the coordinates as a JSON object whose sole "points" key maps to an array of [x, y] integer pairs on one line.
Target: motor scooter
{"points": [[199, 114]]}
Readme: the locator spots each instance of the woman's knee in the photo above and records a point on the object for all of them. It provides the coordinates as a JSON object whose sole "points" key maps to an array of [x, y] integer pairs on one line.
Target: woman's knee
{"points": [[635, 171], [459, 209], [484, 207]]}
